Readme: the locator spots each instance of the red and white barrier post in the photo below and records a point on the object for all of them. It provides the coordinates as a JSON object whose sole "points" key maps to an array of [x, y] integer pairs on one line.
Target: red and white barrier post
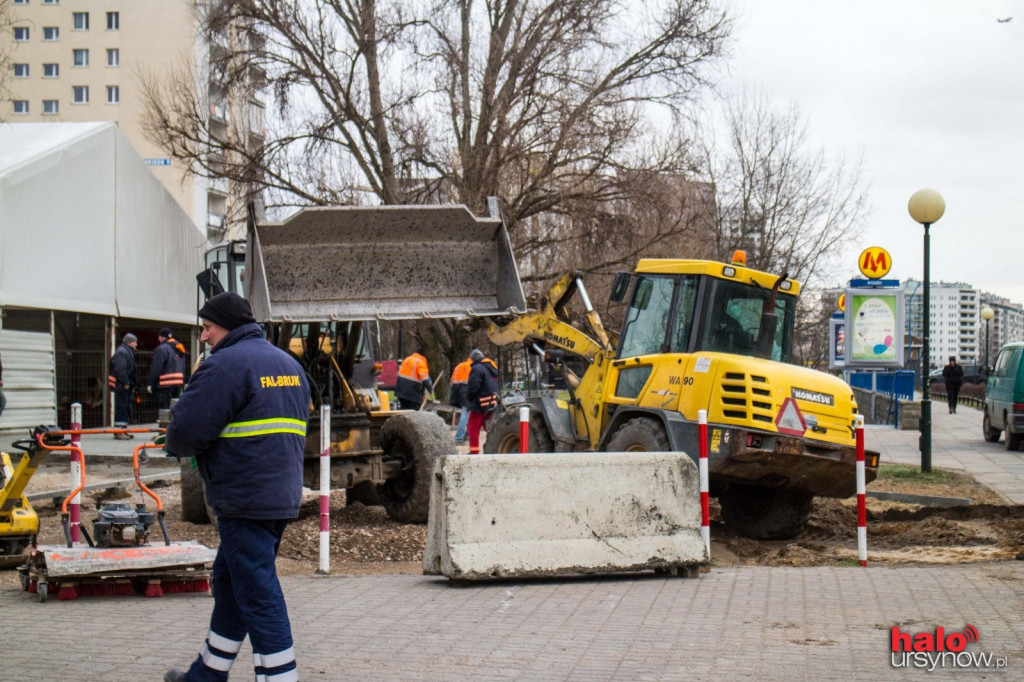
{"points": [[75, 508], [702, 462], [325, 489], [862, 514], [524, 429]]}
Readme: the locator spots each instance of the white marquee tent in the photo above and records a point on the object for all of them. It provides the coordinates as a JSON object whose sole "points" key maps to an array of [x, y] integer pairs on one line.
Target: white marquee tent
{"points": [[85, 227]]}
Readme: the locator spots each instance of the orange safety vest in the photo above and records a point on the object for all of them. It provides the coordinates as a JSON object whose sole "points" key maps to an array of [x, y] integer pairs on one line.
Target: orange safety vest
{"points": [[414, 368], [461, 373]]}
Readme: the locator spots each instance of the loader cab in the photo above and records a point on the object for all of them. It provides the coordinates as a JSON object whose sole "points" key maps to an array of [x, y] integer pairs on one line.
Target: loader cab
{"points": [[688, 312], [225, 265]]}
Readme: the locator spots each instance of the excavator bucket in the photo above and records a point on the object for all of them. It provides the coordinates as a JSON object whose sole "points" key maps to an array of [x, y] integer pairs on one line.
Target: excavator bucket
{"points": [[382, 262]]}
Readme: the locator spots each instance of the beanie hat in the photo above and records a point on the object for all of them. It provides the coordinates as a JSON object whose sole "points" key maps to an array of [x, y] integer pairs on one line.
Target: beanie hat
{"points": [[477, 354], [228, 309], [165, 332], [129, 338]]}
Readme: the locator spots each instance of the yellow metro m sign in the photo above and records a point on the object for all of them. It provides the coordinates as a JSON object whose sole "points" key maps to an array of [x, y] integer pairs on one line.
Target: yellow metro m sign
{"points": [[874, 262]]}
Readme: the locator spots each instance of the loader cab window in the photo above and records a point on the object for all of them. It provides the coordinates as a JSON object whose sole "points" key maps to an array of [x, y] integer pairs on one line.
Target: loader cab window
{"points": [[227, 261], [734, 319], [650, 322]]}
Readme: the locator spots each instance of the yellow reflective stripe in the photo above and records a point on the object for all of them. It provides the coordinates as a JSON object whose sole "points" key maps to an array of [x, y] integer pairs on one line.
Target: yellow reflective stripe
{"points": [[262, 427]]}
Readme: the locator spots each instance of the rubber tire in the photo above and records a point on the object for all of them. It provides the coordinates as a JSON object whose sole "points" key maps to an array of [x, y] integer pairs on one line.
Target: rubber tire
{"points": [[193, 495], [24, 579], [1013, 439], [417, 438], [991, 435], [639, 435], [765, 514], [41, 590], [503, 434]]}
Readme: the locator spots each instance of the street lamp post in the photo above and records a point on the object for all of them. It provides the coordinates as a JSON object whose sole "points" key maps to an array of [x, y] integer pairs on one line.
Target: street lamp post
{"points": [[987, 314], [926, 206]]}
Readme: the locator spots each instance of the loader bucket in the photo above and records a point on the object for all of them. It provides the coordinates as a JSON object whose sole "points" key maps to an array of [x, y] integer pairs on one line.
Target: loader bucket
{"points": [[383, 262]]}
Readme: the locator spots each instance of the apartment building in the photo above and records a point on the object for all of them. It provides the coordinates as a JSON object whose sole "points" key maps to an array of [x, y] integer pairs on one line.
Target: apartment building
{"points": [[82, 60], [1006, 325], [954, 319]]}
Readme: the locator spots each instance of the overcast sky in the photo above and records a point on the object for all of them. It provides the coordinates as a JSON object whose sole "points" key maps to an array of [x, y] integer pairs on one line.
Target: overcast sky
{"points": [[931, 93]]}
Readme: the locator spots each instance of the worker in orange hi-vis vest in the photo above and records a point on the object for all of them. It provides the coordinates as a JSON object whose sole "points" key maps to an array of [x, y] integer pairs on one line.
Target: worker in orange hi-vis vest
{"points": [[414, 383], [460, 379]]}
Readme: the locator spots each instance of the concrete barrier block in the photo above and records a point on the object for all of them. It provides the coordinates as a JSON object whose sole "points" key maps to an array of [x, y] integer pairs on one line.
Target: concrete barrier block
{"points": [[536, 515]]}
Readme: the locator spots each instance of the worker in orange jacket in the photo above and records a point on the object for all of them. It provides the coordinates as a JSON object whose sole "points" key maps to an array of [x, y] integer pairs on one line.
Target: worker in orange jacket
{"points": [[460, 379], [414, 383]]}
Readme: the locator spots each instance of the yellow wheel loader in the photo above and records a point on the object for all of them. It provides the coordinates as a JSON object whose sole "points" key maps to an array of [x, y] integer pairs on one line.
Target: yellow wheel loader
{"points": [[697, 335], [319, 282]]}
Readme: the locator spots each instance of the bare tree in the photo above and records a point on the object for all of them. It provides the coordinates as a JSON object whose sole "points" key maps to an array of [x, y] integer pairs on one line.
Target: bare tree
{"points": [[787, 205], [546, 104], [791, 208]]}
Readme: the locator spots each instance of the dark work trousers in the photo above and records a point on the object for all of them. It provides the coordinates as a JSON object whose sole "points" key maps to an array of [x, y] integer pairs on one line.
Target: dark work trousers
{"points": [[164, 395], [123, 406], [404, 404], [247, 600], [952, 395]]}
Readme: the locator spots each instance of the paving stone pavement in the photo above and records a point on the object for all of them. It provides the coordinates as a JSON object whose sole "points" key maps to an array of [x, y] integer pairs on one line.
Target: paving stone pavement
{"points": [[761, 623]]}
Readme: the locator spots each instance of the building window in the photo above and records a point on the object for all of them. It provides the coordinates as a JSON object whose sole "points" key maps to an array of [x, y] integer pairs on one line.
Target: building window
{"points": [[113, 57], [113, 94], [21, 70], [20, 2], [113, 21], [51, 70], [21, 106], [51, 34], [80, 94], [50, 106], [81, 57], [81, 20], [20, 34], [51, 2]]}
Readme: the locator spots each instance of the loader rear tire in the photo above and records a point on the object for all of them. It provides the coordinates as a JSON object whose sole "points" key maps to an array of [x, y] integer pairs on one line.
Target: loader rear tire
{"points": [[193, 496], [639, 435], [416, 439], [503, 434], [764, 513]]}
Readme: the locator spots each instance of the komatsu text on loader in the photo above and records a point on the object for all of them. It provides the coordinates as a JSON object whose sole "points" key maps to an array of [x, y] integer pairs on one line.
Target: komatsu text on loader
{"points": [[697, 335], [319, 281]]}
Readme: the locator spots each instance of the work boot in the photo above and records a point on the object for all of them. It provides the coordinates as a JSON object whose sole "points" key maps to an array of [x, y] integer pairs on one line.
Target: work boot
{"points": [[122, 436], [174, 675]]}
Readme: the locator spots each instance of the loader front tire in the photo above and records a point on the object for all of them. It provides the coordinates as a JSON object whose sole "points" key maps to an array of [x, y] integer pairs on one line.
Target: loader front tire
{"points": [[765, 513], [193, 496], [503, 434], [415, 439]]}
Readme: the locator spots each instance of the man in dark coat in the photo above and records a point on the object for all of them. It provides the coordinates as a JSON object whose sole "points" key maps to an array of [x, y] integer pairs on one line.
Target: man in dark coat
{"points": [[243, 417], [3, 400], [123, 379], [953, 376], [167, 369], [481, 394]]}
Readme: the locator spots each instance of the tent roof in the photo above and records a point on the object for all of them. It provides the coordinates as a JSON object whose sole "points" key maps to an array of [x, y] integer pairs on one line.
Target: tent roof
{"points": [[23, 143]]}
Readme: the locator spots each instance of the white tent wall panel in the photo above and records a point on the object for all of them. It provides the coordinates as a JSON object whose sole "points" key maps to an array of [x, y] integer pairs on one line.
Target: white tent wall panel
{"points": [[159, 249], [29, 380], [56, 214]]}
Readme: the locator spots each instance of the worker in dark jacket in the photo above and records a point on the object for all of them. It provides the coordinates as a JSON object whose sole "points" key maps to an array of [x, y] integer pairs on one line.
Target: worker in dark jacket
{"points": [[953, 376], [414, 383], [482, 395], [167, 369], [123, 380], [243, 417]]}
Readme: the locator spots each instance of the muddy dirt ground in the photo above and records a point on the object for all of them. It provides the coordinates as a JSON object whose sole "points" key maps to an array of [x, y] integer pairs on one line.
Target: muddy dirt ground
{"points": [[364, 541]]}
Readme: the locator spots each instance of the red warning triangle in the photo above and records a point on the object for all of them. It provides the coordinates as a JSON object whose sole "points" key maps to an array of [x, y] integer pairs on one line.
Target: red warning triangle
{"points": [[790, 420]]}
